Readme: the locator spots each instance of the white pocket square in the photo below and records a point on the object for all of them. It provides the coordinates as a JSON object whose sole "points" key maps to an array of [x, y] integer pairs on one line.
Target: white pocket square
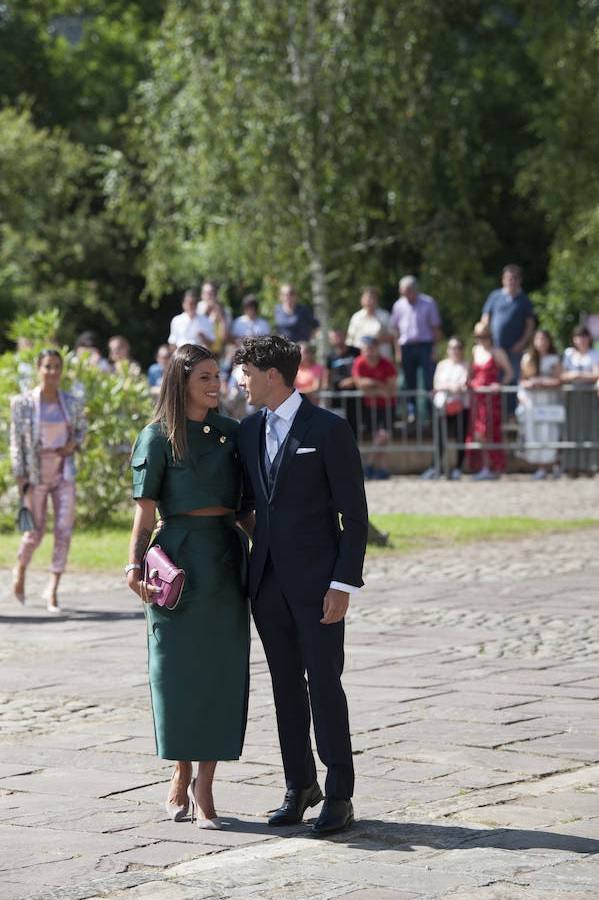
{"points": [[305, 450]]}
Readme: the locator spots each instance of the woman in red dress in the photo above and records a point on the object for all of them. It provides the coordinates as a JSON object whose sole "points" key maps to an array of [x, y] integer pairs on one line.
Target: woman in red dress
{"points": [[489, 363]]}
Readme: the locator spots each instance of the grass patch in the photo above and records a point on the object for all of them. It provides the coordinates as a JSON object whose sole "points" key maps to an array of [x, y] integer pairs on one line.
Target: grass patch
{"points": [[105, 549], [409, 532]]}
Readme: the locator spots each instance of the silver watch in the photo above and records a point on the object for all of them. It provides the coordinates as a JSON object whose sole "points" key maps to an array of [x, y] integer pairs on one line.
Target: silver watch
{"points": [[130, 566]]}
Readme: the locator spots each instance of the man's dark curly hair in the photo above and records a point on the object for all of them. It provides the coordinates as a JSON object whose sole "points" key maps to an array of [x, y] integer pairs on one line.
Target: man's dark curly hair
{"points": [[271, 352]]}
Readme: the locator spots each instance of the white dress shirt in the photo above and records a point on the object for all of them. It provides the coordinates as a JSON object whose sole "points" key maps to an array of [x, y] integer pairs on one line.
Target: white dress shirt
{"points": [[286, 413], [187, 329]]}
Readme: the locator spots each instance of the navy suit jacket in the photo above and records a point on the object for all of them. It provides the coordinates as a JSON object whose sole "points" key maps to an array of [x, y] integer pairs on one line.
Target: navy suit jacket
{"points": [[314, 523]]}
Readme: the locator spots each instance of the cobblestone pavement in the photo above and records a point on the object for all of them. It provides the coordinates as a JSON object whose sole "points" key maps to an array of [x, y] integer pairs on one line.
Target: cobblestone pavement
{"points": [[473, 685], [514, 495]]}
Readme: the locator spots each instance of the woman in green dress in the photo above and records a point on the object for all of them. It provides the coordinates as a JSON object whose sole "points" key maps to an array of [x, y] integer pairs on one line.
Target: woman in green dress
{"points": [[185, 466]]}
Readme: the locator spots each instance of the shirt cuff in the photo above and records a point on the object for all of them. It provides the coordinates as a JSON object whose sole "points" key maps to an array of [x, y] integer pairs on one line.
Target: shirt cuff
{"points": [[340, 586]]}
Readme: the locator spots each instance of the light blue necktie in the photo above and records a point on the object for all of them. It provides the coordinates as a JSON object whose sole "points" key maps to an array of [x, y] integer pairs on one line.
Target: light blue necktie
{"points": [[271, 437]]}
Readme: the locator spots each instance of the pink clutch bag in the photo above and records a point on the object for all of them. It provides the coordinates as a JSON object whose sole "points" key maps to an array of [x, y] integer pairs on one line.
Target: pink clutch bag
{"points": [[161, 572]]}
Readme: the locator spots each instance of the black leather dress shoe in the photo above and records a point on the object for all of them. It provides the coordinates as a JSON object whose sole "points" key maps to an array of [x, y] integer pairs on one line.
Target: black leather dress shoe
{"points": [[295, 805], [335, 815]]}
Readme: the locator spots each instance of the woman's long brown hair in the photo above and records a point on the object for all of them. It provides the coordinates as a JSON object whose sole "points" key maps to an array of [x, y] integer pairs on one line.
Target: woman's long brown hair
{"points": [[532, 365], [171, 412]]}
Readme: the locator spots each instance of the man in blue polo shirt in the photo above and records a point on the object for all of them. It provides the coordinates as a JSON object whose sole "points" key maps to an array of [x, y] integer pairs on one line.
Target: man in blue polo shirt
{"points": [[510, 315], [293, 320]]}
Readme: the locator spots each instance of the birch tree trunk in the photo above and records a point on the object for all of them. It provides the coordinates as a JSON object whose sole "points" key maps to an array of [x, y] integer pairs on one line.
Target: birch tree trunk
{"points": [[303, 54], [320, 300]]}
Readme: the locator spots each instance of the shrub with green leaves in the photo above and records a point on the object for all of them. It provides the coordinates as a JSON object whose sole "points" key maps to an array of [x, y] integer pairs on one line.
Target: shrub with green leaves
{"points": [[117, 407]]}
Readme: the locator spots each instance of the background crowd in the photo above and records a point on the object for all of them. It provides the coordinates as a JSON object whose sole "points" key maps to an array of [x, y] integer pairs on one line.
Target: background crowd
{"points": [[386, 374]]}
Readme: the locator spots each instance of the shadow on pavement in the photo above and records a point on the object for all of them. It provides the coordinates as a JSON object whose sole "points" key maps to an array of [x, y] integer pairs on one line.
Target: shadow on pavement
{"points": [[250, 826], [375, 834], [72, 615]]}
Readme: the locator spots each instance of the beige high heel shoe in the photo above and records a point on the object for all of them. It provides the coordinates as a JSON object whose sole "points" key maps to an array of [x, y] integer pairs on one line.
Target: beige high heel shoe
{"points": [[176, 811], [212, 824]]}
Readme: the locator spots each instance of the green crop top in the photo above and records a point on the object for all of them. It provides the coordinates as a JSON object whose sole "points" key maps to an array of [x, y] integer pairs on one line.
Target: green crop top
{"points": [[212, 479]]}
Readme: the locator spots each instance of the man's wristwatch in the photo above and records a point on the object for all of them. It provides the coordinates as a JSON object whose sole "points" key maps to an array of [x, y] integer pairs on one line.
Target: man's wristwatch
{"points": [[130, 566]]}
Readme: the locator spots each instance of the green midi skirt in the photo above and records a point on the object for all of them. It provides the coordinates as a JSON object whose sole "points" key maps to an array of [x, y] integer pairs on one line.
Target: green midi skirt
{"points": [[198, 653]]}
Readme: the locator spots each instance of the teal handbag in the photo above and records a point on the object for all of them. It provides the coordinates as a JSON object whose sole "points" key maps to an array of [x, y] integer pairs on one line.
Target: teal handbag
{"points": [[24, 518]]}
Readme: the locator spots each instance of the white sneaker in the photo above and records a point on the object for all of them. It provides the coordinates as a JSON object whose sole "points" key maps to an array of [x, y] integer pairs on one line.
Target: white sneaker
{"points": [[539, 475], [484, 475], [455, 474], [430, 474]]}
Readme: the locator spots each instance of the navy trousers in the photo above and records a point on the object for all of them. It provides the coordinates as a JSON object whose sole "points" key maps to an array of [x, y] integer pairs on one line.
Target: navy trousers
{"points": [[415, 356], [296, 643]]}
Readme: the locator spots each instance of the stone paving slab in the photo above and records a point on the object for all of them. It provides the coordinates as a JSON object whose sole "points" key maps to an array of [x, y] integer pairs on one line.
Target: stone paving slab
{"points": [[472, 681]]}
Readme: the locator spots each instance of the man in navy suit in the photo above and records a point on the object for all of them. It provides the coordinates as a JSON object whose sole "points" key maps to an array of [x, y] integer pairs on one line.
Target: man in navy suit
{"points": [[304, 476]]}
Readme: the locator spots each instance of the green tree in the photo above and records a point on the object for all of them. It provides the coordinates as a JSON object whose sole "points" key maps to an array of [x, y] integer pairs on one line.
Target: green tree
{"points": [[77, 62], [332, 143], [560, 172], [46, 231], [68, 72]]}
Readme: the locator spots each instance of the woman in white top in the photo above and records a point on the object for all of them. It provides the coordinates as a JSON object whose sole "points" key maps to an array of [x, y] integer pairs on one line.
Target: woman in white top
{"points": [[579, 376], [451, 402], [541, 412]]}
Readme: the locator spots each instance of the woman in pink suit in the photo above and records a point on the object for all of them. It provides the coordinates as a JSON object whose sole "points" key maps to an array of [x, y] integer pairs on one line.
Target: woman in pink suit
{"points": [[47, 427]]}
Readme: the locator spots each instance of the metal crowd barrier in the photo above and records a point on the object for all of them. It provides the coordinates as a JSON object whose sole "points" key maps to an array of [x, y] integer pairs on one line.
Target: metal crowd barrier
{"points": [[412, 422], [405, 418]]}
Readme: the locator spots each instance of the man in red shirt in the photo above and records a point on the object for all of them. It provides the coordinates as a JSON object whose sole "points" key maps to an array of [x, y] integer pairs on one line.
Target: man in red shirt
{"points": [[376, 377]]}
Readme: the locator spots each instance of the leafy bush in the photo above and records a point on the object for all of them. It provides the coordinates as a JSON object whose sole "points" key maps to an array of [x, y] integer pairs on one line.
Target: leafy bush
{"points": [[117, 407]]}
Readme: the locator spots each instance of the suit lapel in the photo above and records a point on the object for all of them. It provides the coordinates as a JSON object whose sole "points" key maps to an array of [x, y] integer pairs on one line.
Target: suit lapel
{"points": [[293, 441], [258, 451]]}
